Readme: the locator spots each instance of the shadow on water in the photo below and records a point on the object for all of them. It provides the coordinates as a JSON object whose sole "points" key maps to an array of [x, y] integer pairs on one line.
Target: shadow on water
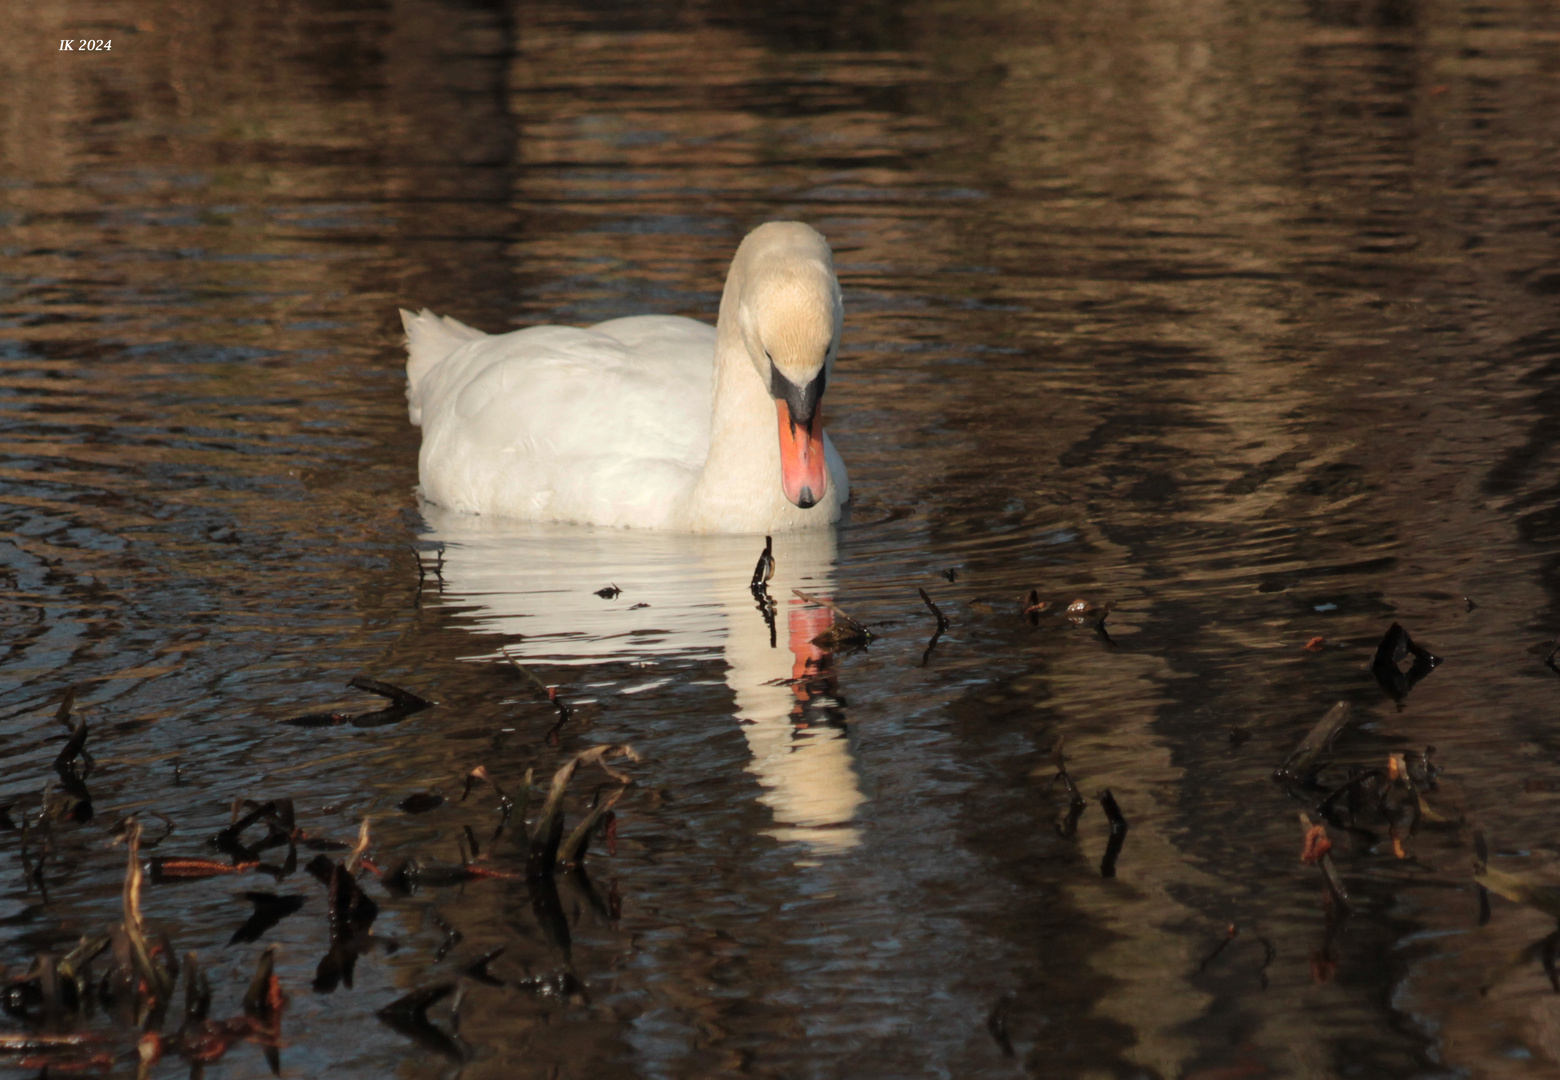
{"points": [[1198, 396]]}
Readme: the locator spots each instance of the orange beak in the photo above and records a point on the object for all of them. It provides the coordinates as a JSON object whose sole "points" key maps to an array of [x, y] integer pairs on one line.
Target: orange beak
{"points": [[803, 473]]}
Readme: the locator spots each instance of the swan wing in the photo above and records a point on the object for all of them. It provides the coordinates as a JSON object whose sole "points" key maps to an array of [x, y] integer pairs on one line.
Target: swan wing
{"points": [[606, 424]]}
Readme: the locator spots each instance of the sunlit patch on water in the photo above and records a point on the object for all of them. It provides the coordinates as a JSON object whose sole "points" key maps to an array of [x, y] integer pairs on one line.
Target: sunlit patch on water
{"points": [[539, 589]]}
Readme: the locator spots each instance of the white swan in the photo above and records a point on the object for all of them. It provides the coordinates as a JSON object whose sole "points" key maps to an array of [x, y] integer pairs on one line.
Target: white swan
{"points": [[654, 421]]}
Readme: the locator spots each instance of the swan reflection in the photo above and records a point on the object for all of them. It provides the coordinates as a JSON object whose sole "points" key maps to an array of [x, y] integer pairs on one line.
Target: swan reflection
{"points": [[686, 597]]}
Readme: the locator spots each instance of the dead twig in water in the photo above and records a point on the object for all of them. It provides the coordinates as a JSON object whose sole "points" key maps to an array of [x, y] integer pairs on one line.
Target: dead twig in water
{"points": [[529, 675], [1032, 607], [269, 909], [1317, 851], [506, 804], [62, 713], [481, 773], [766, 566], [551, 692], [1401, 804], [1099, 626], [942, 624], [408, 876], [264, 1001], [118, 828], [358, 849], [1066, 827], [996, 1023], [32, 872], [1118, 833], [477, 970], [403, 699], [181, 868], [1268, 955], [850, 633], [759, 587], [73, 778], [76, 746], [408, 1016], [598, 755], [1352, 788], [403, 703], [1302, 764], [572, 850], [942, 620], [422, 569], [547, 835], [1231, 932], [1395, 645], [159, 980], [350, 915], [421, 802]]}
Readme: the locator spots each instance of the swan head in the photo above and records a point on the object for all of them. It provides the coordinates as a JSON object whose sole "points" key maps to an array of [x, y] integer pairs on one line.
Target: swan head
{"points": [[791, 316]]}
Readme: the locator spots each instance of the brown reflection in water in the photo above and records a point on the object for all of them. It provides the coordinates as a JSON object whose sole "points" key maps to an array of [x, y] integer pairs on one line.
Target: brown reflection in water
{"points": [[200, 223], [1240, 317], [1268, 411]]}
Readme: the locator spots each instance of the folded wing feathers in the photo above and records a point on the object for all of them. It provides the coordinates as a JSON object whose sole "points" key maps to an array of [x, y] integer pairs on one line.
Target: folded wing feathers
{"points": [[429, 339]]}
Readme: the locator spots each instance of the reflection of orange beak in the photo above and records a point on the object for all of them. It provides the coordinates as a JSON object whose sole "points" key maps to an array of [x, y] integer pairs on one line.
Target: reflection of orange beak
{"points": [[808, 661], [803, 474]]}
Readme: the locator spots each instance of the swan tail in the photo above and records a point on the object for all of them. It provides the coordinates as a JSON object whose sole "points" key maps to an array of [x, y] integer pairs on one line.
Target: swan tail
{"points": [[429, 339]]}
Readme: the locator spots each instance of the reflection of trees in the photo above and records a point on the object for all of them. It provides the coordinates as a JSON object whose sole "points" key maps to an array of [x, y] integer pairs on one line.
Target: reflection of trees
{"points": [[204, 233], [1228, 263], [287, 123], [1202, 285]]}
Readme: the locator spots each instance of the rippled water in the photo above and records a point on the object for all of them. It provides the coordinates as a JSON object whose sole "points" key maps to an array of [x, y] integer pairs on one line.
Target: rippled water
{"points": [[1241, 317]]}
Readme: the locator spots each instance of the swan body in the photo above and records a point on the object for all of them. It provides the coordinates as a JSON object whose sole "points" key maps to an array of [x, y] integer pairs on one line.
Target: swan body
{"points": [[653, 421]]}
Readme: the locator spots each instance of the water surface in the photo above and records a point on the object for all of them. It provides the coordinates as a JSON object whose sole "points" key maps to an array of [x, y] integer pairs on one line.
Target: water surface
{"points": [[1242, 318]]}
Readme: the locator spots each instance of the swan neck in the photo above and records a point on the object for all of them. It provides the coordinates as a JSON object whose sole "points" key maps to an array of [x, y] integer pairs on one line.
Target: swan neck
{"points": [[743, 436], [740, 478], [739, 488]]}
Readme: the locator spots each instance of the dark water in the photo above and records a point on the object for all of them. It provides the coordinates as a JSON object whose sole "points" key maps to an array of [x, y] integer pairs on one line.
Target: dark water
{"points": [[1245, 317]]}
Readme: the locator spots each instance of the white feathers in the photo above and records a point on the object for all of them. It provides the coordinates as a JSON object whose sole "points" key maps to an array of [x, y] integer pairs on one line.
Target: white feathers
{"points": [[654, 421], [429, 339]]}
